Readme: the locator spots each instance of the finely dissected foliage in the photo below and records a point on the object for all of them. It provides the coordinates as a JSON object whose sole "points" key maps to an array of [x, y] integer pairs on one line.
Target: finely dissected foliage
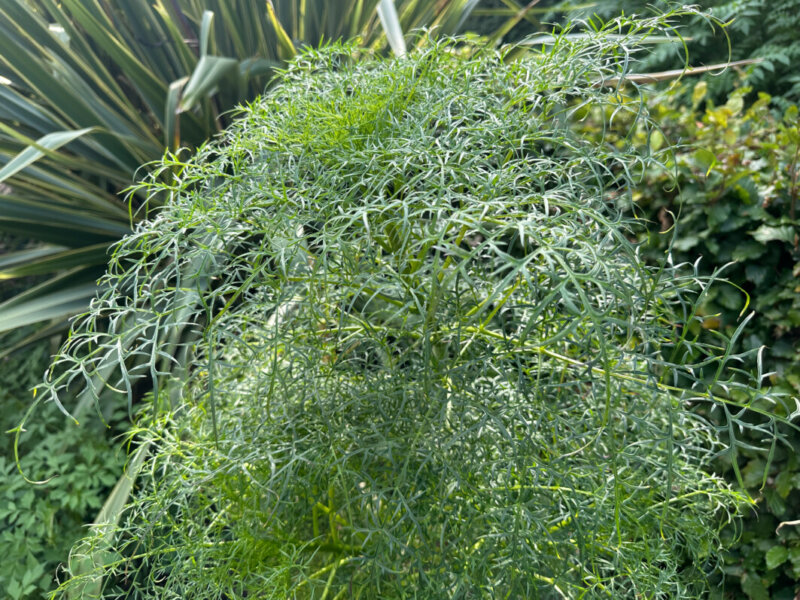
{"points": [[430, 362], [90, 90]]}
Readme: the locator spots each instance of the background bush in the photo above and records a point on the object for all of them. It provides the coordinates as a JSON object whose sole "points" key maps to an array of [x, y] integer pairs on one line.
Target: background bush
{"points": [[733, 201], [756, 29], [739, 184], [39, 524]]}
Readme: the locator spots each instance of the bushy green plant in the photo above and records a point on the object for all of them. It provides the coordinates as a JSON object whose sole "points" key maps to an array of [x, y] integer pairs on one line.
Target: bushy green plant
{"points": [[431, 362], [39, 525], [92, 90], [734, 202]]}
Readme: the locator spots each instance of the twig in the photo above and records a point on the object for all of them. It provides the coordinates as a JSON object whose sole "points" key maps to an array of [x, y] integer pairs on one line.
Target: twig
{"points": [[674, 73], [787, 523]]}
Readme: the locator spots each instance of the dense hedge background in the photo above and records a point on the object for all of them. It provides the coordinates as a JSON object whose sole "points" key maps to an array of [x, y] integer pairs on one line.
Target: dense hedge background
{"points": [[730, 201], [734, 202]]}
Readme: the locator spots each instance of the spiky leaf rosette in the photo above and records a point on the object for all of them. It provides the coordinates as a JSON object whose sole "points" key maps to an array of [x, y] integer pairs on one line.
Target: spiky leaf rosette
{"points": [[427, 360]]}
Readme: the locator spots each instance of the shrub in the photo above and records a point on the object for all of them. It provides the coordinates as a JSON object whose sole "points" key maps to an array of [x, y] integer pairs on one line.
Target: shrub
{"points": [[734, 200], [431, 362]]}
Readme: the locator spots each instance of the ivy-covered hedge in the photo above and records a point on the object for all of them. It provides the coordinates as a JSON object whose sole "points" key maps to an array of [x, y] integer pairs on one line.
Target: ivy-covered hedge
{"points": [[731, 200]]}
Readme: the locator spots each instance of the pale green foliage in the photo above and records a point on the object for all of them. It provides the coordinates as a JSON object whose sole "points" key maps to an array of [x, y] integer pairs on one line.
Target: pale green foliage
{"points": [[418, 355]]}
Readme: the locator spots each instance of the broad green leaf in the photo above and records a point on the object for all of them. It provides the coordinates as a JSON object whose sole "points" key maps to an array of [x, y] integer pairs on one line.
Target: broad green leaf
{"points": [[746, 189], [699, 93], [785, 482], [705, 158], [794, 557], [768, 233], [735, 104], [754, 587], [687, 242], [14, 589], [748, 250]]}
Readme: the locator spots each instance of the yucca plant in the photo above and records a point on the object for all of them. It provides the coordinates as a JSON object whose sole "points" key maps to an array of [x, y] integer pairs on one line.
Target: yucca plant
{"points": [[427, 359], [90, 90]]}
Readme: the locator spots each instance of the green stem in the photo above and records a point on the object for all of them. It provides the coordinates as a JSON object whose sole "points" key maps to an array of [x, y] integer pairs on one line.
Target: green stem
{"points": [[325, 569]]}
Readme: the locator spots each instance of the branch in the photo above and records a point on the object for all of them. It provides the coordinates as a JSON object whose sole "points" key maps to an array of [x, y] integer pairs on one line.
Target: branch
{"points": [[673, 74]]}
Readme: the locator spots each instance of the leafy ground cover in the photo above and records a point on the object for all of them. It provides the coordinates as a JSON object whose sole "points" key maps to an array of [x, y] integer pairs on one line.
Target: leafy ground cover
{"points": [[418, 353], [39, 524]]}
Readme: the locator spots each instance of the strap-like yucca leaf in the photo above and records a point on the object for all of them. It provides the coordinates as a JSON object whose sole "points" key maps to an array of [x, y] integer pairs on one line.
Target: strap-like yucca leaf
{"points": [[52, 141], [42, 260], [55, 224], [57, 298], [14, 259], [287, 49], [391, 24], [85, 560], [210, 71]]}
